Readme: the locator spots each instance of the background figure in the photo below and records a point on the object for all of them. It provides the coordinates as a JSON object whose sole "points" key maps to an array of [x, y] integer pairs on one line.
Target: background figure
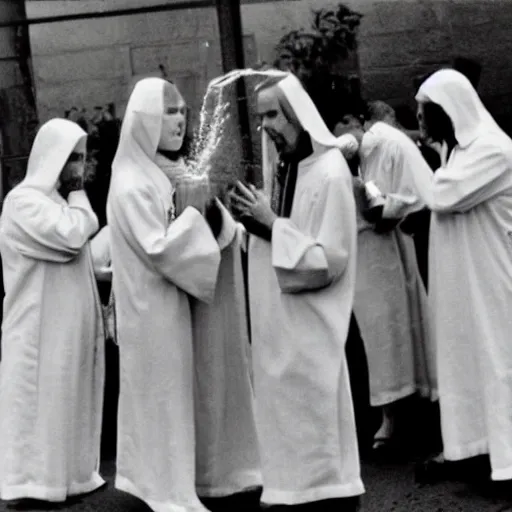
{"points": [[51, 380], [390, 301]]}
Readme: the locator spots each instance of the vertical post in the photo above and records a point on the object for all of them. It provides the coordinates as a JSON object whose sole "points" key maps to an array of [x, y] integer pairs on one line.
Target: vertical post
{"points": [[232, 48]]}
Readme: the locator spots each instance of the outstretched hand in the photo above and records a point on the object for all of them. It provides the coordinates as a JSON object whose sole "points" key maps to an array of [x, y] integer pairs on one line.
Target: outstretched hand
{"points": [[249, 202]]}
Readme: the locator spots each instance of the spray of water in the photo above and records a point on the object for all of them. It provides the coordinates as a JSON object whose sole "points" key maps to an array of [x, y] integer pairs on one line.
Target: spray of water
{"points": [[211, 127]]}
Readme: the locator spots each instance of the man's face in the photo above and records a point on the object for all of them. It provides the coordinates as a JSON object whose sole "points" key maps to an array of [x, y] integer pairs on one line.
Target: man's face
{"points": [[434, 123], [75, 165], [283, 132], [174, 120]]}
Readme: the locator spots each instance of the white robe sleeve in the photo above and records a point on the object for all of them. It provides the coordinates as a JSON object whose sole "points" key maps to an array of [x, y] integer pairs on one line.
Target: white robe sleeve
{"points": [[184, 252], [305, 262], [407, 159], [348, 144], [101, 256], [453, 189], [229, 228], [44, 229]]}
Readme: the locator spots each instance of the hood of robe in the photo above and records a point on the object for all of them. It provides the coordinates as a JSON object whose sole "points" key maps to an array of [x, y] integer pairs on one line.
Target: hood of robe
{"points": [[453, 92], [140, 134], [310, 120], [52, 147]]}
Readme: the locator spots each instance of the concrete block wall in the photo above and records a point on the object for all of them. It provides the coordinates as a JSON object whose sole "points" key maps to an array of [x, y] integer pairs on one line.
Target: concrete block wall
{"points": [[90, 62]]}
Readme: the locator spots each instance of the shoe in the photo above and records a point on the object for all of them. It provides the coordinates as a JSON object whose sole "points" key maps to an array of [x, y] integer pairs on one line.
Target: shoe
{"points": [[431, 471]]}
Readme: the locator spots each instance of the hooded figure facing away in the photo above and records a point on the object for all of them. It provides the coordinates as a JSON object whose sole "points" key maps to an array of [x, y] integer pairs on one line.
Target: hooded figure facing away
{"points": [[302, 264], [158, 260], [390, 300], [470, 268], [52, 368]]}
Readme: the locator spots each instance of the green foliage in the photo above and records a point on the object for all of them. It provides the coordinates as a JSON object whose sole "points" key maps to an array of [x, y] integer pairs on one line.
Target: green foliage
{"points": [[332, 37], [316, 57]]}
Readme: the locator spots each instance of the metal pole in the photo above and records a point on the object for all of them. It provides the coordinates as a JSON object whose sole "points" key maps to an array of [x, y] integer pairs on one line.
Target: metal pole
{"points": [[232, 48], [186, 4]]}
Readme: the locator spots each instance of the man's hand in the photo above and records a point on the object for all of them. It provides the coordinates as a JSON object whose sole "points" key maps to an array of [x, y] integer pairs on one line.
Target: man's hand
{"points": [[71, 183], [253, 203]]}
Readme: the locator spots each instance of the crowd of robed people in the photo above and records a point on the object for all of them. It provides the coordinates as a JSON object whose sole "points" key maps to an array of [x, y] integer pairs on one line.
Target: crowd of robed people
{"points": [[203, 413]]}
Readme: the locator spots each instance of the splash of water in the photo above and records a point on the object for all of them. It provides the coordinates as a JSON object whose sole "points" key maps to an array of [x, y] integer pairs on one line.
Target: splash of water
{"points": [[211, 128]]}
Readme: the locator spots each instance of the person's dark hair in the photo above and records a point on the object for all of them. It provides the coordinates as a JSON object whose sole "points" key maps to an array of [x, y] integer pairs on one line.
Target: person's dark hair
{"points": [[359, 109], [438, 123], [406, 117]]}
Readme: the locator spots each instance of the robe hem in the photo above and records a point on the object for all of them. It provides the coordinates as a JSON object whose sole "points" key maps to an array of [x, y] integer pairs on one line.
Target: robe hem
{"points": [[467, 451], [278, 497], [242, 481], [473, 450], [502, 474], [51, 494], [391, 397], [124, 484]]}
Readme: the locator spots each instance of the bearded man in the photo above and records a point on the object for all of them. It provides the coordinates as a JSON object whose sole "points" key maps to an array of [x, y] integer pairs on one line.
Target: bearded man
{"points": [[302, 257]]}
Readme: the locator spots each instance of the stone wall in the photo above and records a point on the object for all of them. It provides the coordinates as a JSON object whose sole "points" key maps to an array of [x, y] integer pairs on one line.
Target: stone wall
{"points": [[90, 62], [17, 106], [403, 39]]}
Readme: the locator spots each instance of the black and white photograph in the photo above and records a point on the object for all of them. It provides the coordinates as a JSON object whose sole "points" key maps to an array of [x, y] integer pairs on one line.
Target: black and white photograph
{"points": [[256, 255]]}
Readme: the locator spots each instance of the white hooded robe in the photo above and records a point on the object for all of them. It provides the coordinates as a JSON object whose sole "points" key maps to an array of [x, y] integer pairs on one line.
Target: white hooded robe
{"points": [[157, 263], [227, 452], [390, 302], [470, 267], [301, 287], [52, 368]]}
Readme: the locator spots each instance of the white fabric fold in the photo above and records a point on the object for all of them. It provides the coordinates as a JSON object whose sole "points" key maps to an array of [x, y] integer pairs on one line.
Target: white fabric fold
{"points": [[52, 369]]}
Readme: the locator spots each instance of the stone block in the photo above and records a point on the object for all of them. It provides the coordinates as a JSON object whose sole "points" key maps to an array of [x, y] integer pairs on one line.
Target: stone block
{"points": [[54, 100], [112, 62], [469, 12], [477, 42], [404, 48], [395, 83], [496, 81], [384, 16], [7, 42], [9, 74], [51, 38]]}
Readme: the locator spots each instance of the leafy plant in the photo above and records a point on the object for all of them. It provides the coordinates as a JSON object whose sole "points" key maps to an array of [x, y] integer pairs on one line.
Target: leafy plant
{"points": [[316, 56], [332, 37]]}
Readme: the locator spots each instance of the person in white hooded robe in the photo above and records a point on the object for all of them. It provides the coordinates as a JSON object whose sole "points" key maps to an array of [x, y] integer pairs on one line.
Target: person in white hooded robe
{"points": [[390, 302], [301, 288], [52, 368], [470, 268], [159, 260], [227, 455]]}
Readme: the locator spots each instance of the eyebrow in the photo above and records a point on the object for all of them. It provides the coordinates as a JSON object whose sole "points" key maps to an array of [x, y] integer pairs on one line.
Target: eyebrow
{"points": [[267, 112]]}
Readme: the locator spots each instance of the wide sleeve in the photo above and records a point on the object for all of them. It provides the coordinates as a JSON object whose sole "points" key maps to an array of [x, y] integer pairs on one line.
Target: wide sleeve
{"points": [[459, 188], [348, 145], [310, 261], [44, 229], [228, 231], [184, 252], [101, 255], [403, 199]]}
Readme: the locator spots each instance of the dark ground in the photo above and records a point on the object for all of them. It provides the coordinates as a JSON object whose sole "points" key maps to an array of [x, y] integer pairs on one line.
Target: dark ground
{"points": [[389, 488]]}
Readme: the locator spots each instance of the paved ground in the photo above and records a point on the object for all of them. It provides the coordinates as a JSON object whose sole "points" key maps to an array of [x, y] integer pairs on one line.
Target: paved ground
{"points": [[390, 488]]}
